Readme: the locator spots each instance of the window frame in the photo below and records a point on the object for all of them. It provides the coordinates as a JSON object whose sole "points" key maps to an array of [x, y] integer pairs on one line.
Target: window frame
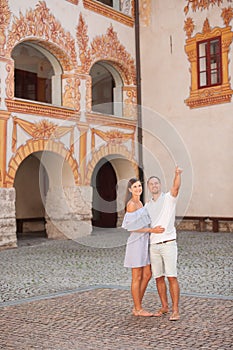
{"points": [[208, 57], [217, 93], [110, 12]]}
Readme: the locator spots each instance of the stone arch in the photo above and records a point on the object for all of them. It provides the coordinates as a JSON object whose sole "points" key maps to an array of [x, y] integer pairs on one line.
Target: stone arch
{"points": [[41, 27], [122, 68], [32, 146], [107, 150]]}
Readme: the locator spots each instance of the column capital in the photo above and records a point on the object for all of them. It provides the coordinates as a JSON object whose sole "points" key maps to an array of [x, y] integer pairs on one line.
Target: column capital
{"points": [[82, 126], [4, 115]]}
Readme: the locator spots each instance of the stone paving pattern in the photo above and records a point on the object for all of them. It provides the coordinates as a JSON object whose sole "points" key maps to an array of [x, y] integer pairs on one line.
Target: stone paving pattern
{"points": [[32, 317]]}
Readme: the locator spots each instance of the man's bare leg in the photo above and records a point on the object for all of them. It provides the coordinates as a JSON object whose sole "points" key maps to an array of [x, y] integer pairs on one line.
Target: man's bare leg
{"points": [[175, 296], [162, 291]]}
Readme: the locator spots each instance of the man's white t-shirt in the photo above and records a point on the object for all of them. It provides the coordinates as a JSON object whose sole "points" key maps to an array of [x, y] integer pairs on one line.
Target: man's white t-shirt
{"points": [[162, 213]]}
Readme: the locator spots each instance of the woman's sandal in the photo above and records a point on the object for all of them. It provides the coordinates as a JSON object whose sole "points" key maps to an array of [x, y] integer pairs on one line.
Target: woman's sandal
{"points": [[142, 312], [175, 316], [161, 312]]}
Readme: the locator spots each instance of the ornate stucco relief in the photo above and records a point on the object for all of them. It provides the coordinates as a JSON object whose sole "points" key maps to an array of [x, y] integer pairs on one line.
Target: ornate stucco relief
{"points": [[201, 5], [4, 22], [130, 102], [227, 15], [44, 129], [113, 137], [105, 47], [127, 7], [71, 94], [84, 50], [41, 24], [145, 12]]}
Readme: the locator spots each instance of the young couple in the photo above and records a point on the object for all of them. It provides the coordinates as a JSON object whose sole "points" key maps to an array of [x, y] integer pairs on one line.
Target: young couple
{"points": [[152, 243]]}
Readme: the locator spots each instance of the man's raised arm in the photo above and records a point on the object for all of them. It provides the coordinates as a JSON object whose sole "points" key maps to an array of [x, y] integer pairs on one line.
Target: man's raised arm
{"points": [[176, 182]]}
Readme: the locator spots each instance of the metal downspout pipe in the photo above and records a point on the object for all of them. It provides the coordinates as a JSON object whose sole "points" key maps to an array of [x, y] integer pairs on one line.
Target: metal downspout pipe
{"points": [[139, 94]]}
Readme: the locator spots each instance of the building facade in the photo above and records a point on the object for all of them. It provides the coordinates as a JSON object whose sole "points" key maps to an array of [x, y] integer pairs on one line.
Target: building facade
{"points": [[187, 70], [69, 120]]}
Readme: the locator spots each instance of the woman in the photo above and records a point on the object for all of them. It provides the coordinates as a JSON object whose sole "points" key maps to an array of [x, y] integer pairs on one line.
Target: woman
{"points": [[137, 220]]}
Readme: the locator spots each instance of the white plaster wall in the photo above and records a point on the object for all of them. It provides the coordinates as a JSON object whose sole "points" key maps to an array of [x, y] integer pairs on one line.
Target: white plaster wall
{"points": [[206, 132]]}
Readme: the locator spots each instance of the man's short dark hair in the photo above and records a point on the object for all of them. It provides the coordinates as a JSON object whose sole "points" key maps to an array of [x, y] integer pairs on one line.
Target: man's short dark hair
{"points": [[153, 177]]}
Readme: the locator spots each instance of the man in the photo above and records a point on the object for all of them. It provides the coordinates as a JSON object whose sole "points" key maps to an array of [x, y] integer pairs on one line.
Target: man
{"points": [[163, 247]]}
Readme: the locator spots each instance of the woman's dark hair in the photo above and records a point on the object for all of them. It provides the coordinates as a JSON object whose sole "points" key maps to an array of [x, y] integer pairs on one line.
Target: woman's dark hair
{"points": [[128, 193]]}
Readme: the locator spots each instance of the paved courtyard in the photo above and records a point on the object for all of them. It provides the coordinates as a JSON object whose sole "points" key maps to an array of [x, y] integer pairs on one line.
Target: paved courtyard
{"points": [[65, 295]]}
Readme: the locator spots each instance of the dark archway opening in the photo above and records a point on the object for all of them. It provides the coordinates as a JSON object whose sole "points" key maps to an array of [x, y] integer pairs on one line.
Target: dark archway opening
{"points": [[104, 207], [30, 210]]}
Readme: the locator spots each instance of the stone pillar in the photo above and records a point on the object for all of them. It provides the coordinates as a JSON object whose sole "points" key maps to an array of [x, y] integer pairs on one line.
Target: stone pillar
{"points": [[8, 237], [83, 128], [68, 212], [4, 116]]}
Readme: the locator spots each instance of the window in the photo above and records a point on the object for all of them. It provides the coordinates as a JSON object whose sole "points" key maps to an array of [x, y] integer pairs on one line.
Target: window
{"points": [[106, 89], [31, 87], [37, 74], [33, 74], [117, 10], [209, 63], [107, 2], [208, 54], [113, 3]]}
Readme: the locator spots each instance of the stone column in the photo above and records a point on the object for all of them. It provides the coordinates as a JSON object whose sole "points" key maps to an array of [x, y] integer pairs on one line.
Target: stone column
{"points": [[4, 116], [83, 128], [68, 212], [8, 237]]}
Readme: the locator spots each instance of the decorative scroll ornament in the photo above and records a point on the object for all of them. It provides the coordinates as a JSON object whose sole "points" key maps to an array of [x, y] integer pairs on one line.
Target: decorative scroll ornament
{"points": [[71, 96], [145, 12], [130, 103], [42, 130], [126, 6], [227, 15], [4, 21], [40, 23], [105, 47], [10, 80], [82, 39], [112, 137], [189, 27], [201, 4], [206, 27]]}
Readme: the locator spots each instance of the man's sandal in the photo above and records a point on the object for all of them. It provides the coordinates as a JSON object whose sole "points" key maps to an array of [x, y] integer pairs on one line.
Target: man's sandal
{"points": [[175, 316], [161, 312], [142, 312]]}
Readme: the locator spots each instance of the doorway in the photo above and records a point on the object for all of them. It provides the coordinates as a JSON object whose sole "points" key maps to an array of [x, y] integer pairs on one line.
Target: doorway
{"points": [[30, 210], [104, 182]]}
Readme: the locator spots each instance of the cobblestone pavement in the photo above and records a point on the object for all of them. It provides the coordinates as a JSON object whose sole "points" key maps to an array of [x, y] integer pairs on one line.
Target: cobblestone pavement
{"points": [[62, 295]]}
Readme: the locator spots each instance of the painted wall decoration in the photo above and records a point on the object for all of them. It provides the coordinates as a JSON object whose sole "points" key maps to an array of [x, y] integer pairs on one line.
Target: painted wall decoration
{"points": [[201, 5]]}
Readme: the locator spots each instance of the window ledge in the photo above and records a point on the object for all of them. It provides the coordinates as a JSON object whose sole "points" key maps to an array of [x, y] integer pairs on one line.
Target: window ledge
{"points": [[42, 109], [106, 119], [209, 96], [108, 12]]}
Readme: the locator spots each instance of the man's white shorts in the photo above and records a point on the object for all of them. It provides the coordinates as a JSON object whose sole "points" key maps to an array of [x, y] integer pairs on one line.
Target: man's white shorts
{"points": [[163, 259]]}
